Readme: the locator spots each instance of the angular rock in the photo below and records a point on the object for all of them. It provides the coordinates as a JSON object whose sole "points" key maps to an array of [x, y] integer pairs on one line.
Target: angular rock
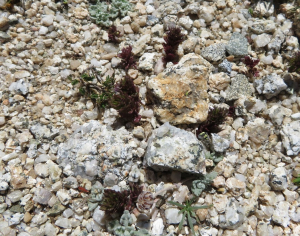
{"points": [[225, 66], [239, 86], [262, 40], [219, 144], [258, 130], [263, 26], [219, 81], [214, 52], [42, 196], [290, 134], [146, 61], [270, 85], [278, 179], [170, 148], [233, 217], [237, 45], [180, 91], [20, 87], [277, 113], [281, 214], [43, 132]]}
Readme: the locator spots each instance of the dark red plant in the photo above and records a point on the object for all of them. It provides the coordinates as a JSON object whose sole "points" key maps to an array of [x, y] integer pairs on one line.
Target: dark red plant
{"points": [[113, 34], [294, 63], [216, 117], [126, 100], [251, 63], [116, 202], [127, 58], [172, 39]]}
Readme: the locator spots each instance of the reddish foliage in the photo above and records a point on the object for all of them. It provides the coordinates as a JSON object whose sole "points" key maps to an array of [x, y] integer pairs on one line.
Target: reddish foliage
{"points": [[116, 202], [113, 34], [295, 63], [172, 39], [251, 63], [126, 100], [216, 117], [127, 58]]}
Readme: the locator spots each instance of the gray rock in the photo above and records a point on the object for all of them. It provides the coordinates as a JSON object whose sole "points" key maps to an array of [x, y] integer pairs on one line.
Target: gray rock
{"points": [[275, 44], [43, 132], [15, 196], [20, 87], [277, 113], [42, 196], [214, 52], [152, 20], [239, 86], [94, 143], [110, 180], [4, 37], [237, 45], [219, 144], [70, 182], [290, 134], [110, 48], [281, 214], [263, 26], [172, 216], [170, 148], [278, 179], [146, 61], [270, 85], [63, 223], [15, 219], [99, 216], [225, 66], [233, 217], [39, 219]]}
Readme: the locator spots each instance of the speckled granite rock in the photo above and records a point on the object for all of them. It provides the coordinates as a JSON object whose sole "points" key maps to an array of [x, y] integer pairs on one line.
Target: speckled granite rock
{"points": [[214, 53], [290, 134], [176, 149], [239, 86], [270, 85], [237, 45], [180, 91]]}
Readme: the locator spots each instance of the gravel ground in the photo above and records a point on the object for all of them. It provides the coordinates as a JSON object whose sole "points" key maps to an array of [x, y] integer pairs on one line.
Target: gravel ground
{"points": [[59, 154]]}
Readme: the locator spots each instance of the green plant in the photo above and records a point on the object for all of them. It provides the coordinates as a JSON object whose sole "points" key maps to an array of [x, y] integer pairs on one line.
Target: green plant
{"points": [[95, 198], [215, 157], [297, 180], [187, 210], [104, 14], [199, 185], [123, 228], [250, 10], [100, 91]]}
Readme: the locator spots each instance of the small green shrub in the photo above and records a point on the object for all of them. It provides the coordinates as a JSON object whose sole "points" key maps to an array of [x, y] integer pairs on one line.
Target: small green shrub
{"points": [[297, 180], [104, 14], [187, 210]]}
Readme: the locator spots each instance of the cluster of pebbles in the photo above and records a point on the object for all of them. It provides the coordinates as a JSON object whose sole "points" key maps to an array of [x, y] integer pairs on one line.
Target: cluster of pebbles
{"points": [[54, 143]]}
